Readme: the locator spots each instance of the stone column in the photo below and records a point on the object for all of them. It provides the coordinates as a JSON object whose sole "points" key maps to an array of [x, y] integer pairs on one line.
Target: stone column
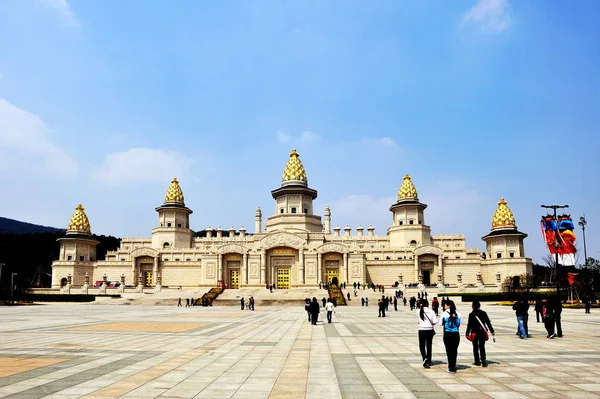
{"points": [[319, 269], [245, 269], [416, 268], [263, 267], [345, 266], [301, 266], [155, 271], [441, 267], [219, 267]]}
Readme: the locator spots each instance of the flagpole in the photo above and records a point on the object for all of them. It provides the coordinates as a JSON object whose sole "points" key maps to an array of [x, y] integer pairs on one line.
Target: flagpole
{"points": [[555, 207]]}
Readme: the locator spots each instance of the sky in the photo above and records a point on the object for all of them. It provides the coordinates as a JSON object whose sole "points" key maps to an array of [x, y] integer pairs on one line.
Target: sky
{"points": [[103, 102]]}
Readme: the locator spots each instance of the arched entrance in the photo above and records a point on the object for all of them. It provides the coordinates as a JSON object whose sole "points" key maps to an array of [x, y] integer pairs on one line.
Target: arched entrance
{"points": [[63, 282], [232, 270], [281, 267], [333, 264], [334, 281]]}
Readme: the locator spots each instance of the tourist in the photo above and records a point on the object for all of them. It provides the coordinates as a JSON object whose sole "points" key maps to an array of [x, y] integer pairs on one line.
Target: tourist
{"points": [[362, 301], [479, 323], [548, 316], [251, 303], [242, 303], [192, 302], [382, 305], [307, 307], [450, 323], [538, 310], [521, 308], [367, 301], [187, 302], [348, 295], [557, 306], [435, 306], [324, 301], [404, 301], [314, 311], [179, 303], [395, 303], [587, 304], [427, 319], [329, 309]]}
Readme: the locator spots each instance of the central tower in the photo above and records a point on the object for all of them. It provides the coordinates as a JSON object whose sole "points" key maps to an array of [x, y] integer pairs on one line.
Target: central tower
{"points": [[294, 201]]}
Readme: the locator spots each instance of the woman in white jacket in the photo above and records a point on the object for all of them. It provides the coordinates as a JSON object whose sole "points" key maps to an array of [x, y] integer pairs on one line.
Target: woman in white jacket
{"points": [[427, 319]]}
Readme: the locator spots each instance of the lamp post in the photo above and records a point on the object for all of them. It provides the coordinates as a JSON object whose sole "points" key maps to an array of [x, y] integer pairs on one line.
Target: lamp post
{"points": [[555, 207], [12, 285], [582, 222]]}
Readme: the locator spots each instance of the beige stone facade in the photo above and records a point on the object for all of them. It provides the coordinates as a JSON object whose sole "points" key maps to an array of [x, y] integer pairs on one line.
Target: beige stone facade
{"points": [[295, 248]]}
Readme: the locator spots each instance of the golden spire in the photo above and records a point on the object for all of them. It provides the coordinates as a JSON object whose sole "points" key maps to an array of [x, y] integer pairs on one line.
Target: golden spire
{"points": [[79, 222], [294, 170], [407, 190], [174, 193], [503, 216]]}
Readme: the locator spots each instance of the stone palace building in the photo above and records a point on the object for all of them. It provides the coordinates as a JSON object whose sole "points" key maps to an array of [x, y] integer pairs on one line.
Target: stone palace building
{"points": [[295, 247]]}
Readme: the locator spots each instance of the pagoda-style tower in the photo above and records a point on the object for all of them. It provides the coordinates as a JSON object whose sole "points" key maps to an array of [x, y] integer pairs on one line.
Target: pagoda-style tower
{"points": [[173, 229], [504, 240], [408, 227], [294, 201], [77, 252]]}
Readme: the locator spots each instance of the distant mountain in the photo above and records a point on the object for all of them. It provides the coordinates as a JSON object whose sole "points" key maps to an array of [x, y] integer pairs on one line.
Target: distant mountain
{"points": [[11, 226]]}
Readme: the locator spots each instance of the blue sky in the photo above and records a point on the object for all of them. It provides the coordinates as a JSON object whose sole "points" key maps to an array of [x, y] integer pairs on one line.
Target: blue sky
{"points": [[102, 102]]}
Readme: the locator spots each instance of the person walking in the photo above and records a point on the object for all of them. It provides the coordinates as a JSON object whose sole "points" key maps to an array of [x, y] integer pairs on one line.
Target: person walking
{"points": [[187, 302], [479, 323], [242, 303], [426, 319], [557, 306], [451, 322], [307, 307], [538, 310], [329, 309], [404, 301], [395, 303], [179, 303], [381, 304], [521, 308], [367, 301], [324, 301], [314, 311], [548, 312], [362, 301]]}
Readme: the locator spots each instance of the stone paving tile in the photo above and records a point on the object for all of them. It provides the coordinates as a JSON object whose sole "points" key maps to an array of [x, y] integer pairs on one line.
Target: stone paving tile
{"points": [[148, 352]]}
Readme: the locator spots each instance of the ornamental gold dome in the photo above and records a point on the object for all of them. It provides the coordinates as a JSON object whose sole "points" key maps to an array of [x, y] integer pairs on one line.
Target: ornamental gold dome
{"points": [[407, 190], [174, 194], [79, 223], [294, 170], [503, 216]]}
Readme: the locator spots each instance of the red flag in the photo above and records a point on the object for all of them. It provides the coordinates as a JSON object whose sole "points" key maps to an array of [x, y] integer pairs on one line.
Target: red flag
{"points": [[572, 277]]}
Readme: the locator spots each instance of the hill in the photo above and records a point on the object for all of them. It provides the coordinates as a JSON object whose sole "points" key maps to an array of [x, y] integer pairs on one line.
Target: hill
{"points": [[11, 226]]}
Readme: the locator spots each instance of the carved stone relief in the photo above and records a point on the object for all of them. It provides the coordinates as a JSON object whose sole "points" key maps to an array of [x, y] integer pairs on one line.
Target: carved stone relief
{"points": [[144, 252], [282, 240], [254, 269], [210, 270], [234, 248], [331, 247], [355, 270], [310, 269]]}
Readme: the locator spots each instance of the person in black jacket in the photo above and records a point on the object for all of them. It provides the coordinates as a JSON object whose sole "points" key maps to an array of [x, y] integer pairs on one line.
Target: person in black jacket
{"points": [[478, 322], [314, 311]]}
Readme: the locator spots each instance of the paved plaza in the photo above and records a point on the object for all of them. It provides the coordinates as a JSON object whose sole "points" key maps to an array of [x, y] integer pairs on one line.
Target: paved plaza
{"points": [[110, 351]]}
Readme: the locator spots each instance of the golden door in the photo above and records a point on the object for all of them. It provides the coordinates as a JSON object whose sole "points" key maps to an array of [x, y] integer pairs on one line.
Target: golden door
{"points": [[148, 279], [331, 275], [283, 277], [234, 279]]}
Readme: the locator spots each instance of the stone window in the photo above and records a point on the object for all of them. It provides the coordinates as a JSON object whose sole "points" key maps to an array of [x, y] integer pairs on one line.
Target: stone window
{"points": [[305, 210], [387, 258], [176, 259], [166, 245], [81, 258], [169, 224], [188, 259], [179, 225], [458, 257], [499, 255], [293, 210], [281, 210], [413, 243], [122, 259], [411, 221], [400, 222], [512, 254], [376, 258], [69, 257]]}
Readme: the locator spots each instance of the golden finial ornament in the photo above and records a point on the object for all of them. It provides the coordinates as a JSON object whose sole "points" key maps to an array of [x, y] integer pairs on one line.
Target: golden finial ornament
{"points": [[407, 190], [503, 216], [79, 222], [174, 194], [294, 170]]}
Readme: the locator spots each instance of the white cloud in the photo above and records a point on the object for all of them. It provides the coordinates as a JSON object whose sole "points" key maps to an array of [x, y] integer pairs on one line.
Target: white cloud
{"points": [[26, 143], [64, 9], [386, 141], [305, 137], [489, 15], [141, 165]]}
